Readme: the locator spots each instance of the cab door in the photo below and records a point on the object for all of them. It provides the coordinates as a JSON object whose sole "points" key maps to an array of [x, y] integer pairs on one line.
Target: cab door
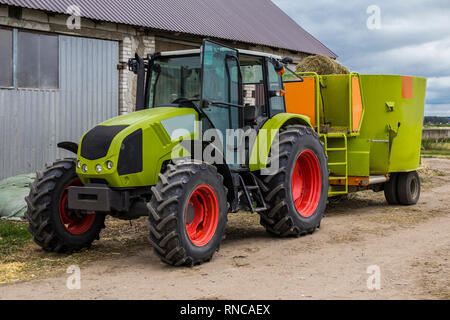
{"points": [[275, 88], [222, 93]]}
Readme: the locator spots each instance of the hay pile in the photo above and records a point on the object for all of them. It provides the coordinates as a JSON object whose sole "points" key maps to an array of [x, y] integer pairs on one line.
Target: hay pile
{"points": [[321, 65]]}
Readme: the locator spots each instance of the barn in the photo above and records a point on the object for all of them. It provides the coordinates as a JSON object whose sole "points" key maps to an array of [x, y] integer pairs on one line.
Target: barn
{"points": [[63, 66]]}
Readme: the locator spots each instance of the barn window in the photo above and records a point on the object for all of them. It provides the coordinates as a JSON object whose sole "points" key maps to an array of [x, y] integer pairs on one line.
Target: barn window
{"points": [[6, 58], [28, 60], [37, 61]]}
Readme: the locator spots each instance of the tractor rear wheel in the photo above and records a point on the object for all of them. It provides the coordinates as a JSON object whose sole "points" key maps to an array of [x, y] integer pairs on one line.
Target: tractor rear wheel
{"points": [[408, 186], [188, 213], [298, 192], [54, 227]]}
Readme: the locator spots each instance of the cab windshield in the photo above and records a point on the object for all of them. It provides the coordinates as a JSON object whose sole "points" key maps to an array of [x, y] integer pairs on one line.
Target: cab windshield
{"points": [[174, 80]]}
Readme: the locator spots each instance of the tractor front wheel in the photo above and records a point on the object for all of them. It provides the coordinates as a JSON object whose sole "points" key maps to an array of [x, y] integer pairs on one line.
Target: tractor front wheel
{"points": [[54, 227], [188, 213]]}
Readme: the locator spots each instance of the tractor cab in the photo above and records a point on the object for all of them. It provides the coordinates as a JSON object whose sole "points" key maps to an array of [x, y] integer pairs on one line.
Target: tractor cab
{"points": [[230, 89], [231, 86]]}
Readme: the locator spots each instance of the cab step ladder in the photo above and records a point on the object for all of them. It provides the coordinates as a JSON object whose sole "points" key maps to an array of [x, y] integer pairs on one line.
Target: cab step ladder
{"points": [[253, 194]]}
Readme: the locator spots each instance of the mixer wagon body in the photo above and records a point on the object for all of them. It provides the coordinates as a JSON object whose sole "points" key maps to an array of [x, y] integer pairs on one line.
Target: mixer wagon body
{"points": [[371, 124]]}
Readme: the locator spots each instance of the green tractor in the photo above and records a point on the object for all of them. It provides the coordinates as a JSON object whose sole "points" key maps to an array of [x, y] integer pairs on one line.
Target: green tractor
{"points": [[151, 162], [211, 135]]}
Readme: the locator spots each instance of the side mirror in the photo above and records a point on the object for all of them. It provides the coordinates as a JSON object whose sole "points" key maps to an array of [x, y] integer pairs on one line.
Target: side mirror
{"points": [[287, 60], [279, 67], [205, 104], [276, 93]]}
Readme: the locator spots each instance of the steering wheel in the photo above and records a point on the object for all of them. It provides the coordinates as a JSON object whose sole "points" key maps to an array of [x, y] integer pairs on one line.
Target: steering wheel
{"points": [[184, 102]]}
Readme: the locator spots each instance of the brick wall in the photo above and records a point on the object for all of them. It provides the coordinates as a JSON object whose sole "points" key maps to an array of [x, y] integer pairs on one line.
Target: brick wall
{"points": [[142, 44]]}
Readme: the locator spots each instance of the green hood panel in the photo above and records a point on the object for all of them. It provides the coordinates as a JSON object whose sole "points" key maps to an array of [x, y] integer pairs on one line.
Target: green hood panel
{"points": [[157, 147], [148, 116]]}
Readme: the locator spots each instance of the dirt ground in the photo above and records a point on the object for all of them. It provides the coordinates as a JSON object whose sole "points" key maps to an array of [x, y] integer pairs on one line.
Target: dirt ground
{"points": [[410, 245]]}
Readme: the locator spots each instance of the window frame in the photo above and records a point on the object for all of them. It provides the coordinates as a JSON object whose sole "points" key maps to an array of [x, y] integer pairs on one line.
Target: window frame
{"points": [[150, 85], [273, 112], [15, 60]]}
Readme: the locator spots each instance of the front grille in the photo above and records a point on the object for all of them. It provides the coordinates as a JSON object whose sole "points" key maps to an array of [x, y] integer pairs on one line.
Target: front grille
{"points": [[98, 181], [96, 143], [130, 157]]}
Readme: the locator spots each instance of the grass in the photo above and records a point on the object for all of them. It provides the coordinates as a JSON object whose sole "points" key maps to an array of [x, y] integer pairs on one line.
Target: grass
{"points": [[431, 149], [13, 237], [22, 260]]}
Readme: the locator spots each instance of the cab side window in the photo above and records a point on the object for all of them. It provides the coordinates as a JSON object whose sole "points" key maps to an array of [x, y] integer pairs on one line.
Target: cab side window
{"points": [[276, 101]]}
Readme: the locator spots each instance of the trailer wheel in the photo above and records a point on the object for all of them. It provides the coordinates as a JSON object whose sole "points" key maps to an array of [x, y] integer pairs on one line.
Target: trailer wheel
{"points": [[298, 192], [188, 214], [53, 226], [390, 189], [408, 188]]}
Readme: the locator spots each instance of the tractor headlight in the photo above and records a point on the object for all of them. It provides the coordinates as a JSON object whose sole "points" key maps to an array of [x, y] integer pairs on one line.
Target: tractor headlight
{"points": [[79, 164], [98, 168], [110, 165], [84, 168]]}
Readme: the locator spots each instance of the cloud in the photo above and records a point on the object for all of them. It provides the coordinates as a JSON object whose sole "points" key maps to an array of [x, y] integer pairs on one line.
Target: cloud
{"points": [[440, 110], [414, 39]]}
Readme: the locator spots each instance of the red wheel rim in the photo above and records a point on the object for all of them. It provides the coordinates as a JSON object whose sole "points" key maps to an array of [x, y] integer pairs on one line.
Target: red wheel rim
{"points": [[75, 226], [202, 215], [306, 183]]}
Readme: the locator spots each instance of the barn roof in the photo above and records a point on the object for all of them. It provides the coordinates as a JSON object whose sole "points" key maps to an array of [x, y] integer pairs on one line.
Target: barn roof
{"points": [[258, 22]]}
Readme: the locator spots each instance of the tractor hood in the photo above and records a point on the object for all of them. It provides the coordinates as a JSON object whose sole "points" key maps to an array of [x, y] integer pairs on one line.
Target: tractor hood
{"points": [[128, 151], [149, 115]]}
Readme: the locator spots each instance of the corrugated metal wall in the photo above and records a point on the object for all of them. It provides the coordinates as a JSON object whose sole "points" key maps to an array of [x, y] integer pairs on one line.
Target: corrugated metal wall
{"points": [[32, 122]]}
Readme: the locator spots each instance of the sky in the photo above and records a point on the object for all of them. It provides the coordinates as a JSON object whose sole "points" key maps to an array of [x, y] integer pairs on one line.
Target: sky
{"points": [[407, 37]]}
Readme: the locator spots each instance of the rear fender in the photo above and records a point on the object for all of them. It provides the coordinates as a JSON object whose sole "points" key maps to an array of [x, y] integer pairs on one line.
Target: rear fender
{"points": [[266, 136]]}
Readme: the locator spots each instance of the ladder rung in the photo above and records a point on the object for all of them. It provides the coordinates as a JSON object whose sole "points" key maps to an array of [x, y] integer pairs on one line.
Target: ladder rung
{"points": [[336, 192], [338, 164], [336, 135], [337, 149]]}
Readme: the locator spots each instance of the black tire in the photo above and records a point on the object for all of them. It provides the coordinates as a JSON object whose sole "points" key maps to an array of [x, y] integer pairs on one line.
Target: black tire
{"points": [[390, 189], [283, 219], [43, 213], [168, 213], [408, 191]]}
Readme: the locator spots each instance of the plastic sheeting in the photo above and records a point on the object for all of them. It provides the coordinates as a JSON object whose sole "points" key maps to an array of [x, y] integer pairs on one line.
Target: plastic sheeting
{"points": [[12, 196]]}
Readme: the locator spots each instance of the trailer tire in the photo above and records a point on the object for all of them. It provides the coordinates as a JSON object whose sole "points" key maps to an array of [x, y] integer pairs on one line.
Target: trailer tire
{"points": [[300, 149], [53, 226], [408, 188], [188, 213], [391, 189]]}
